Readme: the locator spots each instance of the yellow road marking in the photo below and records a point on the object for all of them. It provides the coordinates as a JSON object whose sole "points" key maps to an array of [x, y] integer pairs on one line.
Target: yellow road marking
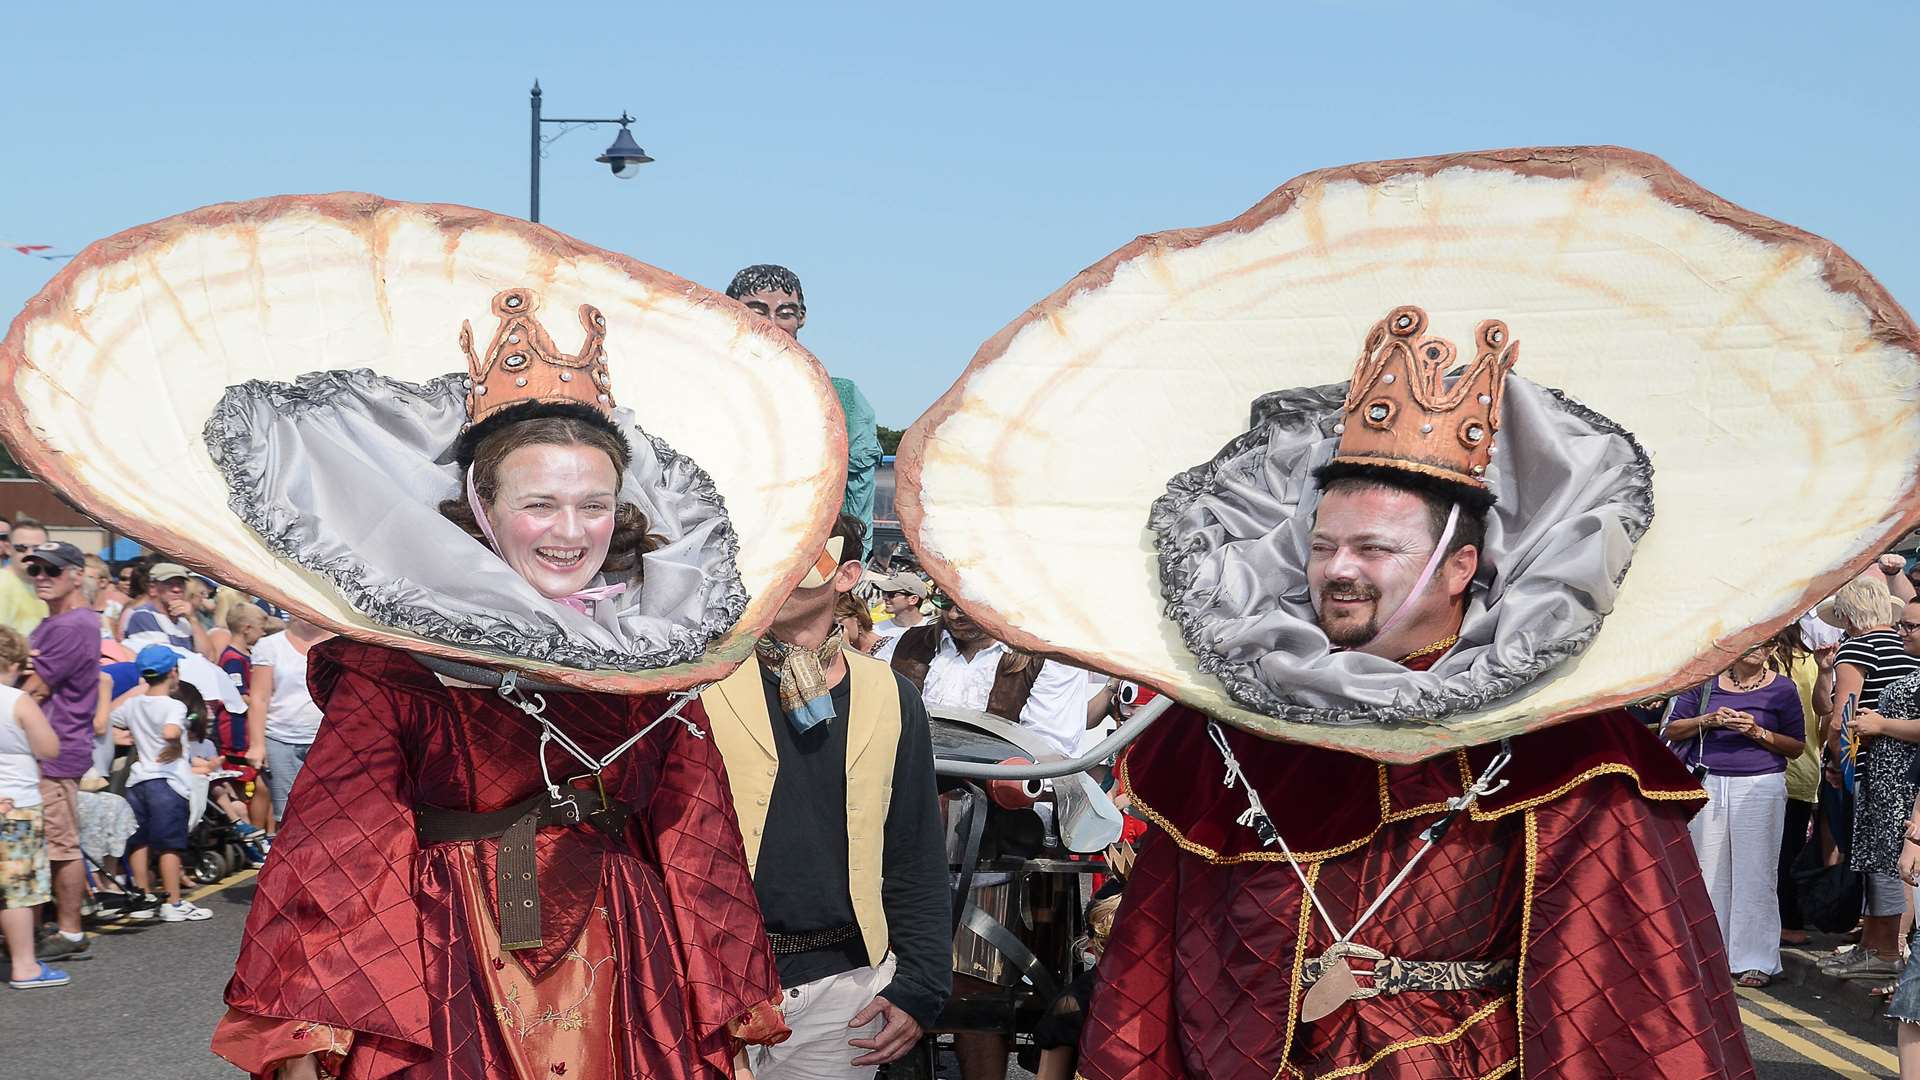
{"points": [[1879, 1055], [1806, 1049], [124, 925]]}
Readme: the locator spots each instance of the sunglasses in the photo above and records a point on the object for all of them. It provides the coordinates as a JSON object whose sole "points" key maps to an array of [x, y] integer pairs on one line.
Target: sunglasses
{"points": [[22, 549], [1906, 627], [941, 601], [40, 569]]}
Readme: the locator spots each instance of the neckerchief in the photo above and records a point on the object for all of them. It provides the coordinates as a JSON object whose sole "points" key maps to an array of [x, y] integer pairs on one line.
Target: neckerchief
{"points": [[804, 694]]}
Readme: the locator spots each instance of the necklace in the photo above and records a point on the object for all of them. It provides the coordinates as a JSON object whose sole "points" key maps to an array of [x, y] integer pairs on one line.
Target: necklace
{"points": [[1739, 687], [1337, 984], [1440, 646]]}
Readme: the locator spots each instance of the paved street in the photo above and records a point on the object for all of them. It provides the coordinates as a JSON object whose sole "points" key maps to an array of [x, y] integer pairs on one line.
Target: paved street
{"points": [[145, 1005]]}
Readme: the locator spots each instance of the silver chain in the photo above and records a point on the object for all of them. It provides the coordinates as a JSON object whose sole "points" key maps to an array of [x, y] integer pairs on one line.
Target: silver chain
{"points": [[535, 706], [1256, 818]]}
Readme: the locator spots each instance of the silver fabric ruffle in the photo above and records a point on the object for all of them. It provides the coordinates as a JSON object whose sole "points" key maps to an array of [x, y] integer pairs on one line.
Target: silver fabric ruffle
{"points": [[1575, 494], [342, 472]]}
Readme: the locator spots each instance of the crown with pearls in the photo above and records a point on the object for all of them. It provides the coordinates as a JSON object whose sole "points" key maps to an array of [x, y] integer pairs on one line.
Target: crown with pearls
{"points": [[522, 364], [1404, 412]]}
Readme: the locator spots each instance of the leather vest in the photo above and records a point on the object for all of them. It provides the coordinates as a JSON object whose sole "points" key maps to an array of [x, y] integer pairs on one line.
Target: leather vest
{"points": [[914, 655], [743, 730]]}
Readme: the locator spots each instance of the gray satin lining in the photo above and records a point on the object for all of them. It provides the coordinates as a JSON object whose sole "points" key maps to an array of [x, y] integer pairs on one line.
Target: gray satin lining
{"points": [[1575, 491], [342, 471]]}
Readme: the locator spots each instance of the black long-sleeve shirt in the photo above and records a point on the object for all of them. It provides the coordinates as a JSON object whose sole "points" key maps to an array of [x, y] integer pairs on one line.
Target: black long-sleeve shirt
{"points": [[801, 875]]}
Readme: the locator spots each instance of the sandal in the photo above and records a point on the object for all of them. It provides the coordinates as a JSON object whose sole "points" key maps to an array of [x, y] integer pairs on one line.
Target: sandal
{"points": [[1885, 990], [1754, 980], [43, 978]]}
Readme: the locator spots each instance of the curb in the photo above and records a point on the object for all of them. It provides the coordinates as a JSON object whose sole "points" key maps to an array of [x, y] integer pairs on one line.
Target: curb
{"points": [[1801, 967]]}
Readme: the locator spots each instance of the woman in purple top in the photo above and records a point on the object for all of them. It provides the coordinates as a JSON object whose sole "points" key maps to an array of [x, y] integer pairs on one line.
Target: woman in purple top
{"points": [[1752, 725]]}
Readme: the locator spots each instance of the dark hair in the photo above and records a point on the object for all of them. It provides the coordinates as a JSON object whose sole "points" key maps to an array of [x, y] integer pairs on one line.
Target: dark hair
{"points": [[1439, 496], [553, 426], [198, 723], [766, 277], [853, 532]]}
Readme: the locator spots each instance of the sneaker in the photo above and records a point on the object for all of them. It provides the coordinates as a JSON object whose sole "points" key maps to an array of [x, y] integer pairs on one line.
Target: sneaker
{"points": [[60, 947], [184, 912], [256, 857], [1871, 966], [42, 979]]}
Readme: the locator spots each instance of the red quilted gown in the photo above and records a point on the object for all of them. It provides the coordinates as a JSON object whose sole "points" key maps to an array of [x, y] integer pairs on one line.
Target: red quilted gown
{"points": [[360, 936], [1580, 871]]}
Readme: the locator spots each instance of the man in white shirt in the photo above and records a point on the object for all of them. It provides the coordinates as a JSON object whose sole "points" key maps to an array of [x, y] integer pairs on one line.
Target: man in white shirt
{"points": [[903, 594], [956, 663]]}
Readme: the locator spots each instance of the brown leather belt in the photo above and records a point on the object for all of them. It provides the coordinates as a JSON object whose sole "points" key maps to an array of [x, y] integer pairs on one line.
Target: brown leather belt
{"points": [[516, 879], [788, 944]]}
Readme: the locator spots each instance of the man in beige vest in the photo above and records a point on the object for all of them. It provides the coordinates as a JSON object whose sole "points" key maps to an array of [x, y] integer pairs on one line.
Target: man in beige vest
{"points": [[831, 766]]}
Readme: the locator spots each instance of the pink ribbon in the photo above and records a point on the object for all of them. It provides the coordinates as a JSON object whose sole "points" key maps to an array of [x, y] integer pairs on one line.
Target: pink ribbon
{"points": [[479, 511], [1426, 576], [577, 601]]}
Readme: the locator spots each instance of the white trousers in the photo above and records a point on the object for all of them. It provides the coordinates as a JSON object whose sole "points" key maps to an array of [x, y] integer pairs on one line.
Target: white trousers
{"points": [[818, 1012], [1737, 837]]}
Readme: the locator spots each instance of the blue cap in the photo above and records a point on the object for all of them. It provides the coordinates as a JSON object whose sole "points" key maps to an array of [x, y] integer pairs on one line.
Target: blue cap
{"points": [[156, 660]]}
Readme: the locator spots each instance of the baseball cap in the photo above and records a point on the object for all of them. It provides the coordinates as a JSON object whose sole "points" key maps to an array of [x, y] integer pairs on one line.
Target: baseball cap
{"points": [[168, 571], [906, 583], [57, 553], [156, 660]]}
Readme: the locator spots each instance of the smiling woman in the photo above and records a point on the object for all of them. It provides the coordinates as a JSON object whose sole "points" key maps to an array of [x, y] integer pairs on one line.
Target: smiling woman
{"points": [[544, 494]]}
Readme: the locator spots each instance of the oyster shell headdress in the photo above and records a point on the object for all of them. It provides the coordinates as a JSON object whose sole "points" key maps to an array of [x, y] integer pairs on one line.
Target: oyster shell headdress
{"points": [[273, 391], [1717, 424]]}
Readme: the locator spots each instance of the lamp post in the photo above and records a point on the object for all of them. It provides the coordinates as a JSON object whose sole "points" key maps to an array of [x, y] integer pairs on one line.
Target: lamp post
{"points": [[624, 157]]}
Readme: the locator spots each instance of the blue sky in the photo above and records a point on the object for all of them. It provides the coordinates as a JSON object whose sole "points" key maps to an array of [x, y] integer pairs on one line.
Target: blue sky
{"points": [[929, 175]]}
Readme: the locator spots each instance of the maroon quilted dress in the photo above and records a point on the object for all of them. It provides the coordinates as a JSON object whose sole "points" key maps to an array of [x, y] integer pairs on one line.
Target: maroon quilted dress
{"points": [[1579, 875], [365, 941]]}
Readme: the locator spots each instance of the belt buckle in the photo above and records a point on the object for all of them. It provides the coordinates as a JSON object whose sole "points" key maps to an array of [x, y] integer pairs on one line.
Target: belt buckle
{"points": [[1357, 951]]}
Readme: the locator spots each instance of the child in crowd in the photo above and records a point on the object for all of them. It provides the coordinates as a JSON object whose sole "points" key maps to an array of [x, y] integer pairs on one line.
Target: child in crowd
{"points": [[160, 781], [206, 760], [26, 739], [245, 624]]}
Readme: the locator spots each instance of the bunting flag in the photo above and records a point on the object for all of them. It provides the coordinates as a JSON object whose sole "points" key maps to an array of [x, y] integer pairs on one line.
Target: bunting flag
{"points": [[37, 251]]}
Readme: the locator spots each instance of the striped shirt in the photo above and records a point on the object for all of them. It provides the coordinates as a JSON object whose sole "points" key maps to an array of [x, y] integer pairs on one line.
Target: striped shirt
{"points": [[1882, 659]]}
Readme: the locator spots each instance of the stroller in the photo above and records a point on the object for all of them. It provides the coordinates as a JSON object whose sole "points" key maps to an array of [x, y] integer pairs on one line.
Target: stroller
{"points": [[217, 845]]}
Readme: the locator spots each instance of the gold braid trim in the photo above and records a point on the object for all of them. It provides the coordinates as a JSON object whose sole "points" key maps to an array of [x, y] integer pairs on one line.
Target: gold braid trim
{"points": [[1479, 1014], [1146, 810], [1295, 989], [1526, 938]]}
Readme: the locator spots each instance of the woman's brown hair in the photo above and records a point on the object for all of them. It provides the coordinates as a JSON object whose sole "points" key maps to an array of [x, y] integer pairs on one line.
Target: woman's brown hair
{"points": [[630, 537]]}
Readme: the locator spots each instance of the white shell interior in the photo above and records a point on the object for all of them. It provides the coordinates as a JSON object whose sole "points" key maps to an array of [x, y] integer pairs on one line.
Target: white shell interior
{"points": [[1783, 435], [122, 383]]}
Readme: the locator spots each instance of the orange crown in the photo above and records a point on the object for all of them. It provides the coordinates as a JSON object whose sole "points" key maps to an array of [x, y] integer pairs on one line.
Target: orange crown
{"points": [[523, 365], [1403, 413]]}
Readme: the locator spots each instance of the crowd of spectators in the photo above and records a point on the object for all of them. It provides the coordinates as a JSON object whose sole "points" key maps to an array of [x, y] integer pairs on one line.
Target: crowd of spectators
{"points": [[1808, 745], [139, 705]]}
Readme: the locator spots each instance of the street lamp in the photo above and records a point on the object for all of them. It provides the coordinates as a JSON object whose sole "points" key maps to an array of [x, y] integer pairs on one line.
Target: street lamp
{"points": [[624, 157]]}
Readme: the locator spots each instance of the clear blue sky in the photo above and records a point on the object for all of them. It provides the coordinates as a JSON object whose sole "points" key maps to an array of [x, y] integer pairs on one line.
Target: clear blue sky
{"points": [[929, 175]]}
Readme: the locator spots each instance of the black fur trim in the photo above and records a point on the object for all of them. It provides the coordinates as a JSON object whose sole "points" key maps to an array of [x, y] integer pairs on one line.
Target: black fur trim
{"points": [[471, 438]]}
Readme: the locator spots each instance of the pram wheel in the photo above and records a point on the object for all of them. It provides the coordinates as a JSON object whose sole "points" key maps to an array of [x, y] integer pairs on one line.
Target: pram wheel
{"points": [[208, 866]]}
